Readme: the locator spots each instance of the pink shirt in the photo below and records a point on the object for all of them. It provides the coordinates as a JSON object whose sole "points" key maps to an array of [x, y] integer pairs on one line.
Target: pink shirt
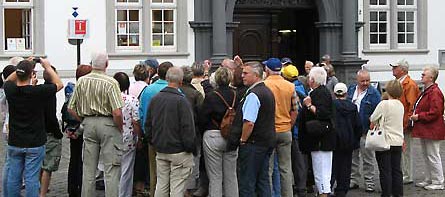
{"points": [[136, 88]]}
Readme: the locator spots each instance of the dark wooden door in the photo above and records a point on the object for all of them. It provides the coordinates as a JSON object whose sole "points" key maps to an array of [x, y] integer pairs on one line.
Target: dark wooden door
{"points": [[252, 38]]}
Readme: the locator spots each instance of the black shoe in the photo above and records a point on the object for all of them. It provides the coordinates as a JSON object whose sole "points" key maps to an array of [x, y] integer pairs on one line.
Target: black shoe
{"points": [[100, 185], [369, 188]]}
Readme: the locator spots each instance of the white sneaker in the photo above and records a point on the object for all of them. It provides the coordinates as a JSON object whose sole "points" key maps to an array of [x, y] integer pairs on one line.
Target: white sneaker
{"points": [[422, 184], [434, 187]]}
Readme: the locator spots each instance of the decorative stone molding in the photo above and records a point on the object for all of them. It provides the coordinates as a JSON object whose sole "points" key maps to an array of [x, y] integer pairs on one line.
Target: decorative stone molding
{"points": [[280, 3]]}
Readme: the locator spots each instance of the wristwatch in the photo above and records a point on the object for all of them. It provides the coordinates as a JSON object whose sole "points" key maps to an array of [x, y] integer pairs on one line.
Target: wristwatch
{"points": [[241, 141], [309, 107]]}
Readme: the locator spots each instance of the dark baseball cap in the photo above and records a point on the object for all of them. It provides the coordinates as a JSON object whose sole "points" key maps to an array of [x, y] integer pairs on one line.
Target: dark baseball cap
{"points": [[150, 62]]}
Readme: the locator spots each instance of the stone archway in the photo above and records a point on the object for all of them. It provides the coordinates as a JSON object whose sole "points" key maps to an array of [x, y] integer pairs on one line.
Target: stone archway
{"points": [[214, 25], [282, 29]]}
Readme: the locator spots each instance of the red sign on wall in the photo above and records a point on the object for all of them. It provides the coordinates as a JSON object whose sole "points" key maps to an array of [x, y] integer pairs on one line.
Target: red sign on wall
{"points": [[80, 27]]}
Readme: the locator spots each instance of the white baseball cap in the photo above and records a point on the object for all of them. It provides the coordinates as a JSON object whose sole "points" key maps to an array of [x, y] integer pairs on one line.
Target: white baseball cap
{"points": [[340, 89]]}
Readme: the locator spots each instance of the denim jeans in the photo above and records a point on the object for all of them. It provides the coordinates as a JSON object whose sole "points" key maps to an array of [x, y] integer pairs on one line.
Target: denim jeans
{"points": [[254, 170], [27, 163], [5, 166]]}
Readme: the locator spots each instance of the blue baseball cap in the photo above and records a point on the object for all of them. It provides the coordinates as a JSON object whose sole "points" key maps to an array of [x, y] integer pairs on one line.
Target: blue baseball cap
{"points": [[273, 64], [150, 62]]}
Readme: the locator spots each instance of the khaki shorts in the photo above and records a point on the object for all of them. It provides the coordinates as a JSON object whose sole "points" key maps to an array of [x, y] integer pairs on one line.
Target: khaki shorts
{"points": [[53, 152]]}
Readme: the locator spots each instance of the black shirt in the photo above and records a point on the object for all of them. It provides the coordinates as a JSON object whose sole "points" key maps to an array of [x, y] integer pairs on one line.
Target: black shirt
{"points": [[51, 122], [26, 113]]}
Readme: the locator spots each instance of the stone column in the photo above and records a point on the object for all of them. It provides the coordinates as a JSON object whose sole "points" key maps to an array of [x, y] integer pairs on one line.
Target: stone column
{"points": [[349, 29], [219, 31]]}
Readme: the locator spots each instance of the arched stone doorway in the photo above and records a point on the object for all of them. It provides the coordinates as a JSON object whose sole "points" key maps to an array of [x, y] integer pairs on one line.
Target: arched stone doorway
{"points": [[267, 29], [337, 26]]}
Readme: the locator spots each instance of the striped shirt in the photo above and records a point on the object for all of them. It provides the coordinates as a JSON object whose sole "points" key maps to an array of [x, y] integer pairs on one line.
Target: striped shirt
{"points": [[96, 94]]}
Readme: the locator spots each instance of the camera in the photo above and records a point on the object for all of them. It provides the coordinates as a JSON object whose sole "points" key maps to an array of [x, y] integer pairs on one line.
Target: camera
{"points": [[36, 59]]}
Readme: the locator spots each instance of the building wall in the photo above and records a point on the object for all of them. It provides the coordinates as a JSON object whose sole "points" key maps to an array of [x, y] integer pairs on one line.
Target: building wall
{"points": [[63, 55], [379, 62]]}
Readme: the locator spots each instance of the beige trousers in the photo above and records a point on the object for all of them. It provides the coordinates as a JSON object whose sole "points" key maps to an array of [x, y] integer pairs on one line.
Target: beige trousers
{"points": [[101, 136], [172, 173]]}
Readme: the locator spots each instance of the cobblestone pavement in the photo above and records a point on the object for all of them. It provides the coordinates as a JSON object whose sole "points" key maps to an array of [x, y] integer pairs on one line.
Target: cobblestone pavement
{"points": [[58, 186]]}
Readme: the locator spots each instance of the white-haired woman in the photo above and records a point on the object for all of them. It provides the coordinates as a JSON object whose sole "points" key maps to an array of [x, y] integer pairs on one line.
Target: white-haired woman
{"points": [[318, 107], [428, 125]]}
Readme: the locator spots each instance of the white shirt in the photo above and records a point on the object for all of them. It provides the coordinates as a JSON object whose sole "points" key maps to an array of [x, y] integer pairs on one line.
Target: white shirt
{"points": [[357, 98]]}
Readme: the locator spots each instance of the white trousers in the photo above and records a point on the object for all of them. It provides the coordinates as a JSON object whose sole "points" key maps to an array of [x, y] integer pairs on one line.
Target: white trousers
{"points": [[322, 167], [431, 156], [127, 172]]}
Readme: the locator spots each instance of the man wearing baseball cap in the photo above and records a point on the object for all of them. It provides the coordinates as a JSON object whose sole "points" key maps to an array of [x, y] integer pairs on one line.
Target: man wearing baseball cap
{"points": [[152, 68], [285, 115], [409, 96]]}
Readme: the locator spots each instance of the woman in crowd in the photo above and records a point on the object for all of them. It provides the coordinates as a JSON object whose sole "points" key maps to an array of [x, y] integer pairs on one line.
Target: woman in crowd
{"points": [[220, 163], [131, 133], [318, 106], [429, 127], [72, 128], [389, 116], [140, 74]]}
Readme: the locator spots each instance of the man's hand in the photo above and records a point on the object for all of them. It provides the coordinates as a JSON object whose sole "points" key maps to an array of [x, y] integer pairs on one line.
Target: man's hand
{"points": [[238, 60]]}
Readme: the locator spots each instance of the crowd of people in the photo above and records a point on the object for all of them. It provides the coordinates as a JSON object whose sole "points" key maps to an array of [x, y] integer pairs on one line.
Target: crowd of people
{"points": [[240, 129]]}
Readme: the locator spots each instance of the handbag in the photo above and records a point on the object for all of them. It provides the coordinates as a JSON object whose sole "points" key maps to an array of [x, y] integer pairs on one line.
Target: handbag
{"points": [[376, 138], [317, 128]]}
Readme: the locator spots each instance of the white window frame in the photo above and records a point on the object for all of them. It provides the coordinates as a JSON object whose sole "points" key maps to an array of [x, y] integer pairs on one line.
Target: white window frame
{"points": [[407, 8], [420, 45], [128, 6], [378, 9], [19, 5], [164, 6]]}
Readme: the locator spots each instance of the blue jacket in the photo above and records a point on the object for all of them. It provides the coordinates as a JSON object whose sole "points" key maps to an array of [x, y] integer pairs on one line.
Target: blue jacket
{"points": [[367, 106], [301, 92], [144, 101]]}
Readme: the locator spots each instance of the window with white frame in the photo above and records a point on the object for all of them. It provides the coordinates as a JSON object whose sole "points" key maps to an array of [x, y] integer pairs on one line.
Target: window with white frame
{"points": [[406, 22], [393, 24], [139, 27], [17, 25], [128, 24], [163, 25], [379, 23]]}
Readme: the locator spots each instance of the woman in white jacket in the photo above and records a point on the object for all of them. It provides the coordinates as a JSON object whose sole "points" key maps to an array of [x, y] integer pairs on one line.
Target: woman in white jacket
{"points": [[389, 114]]}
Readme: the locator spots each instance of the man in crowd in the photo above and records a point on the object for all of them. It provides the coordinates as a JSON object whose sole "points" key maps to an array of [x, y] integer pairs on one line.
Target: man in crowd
{"points": [[170, 129], [97, 99], [53, 146], [147, 94], [152, 66], [366, 98], [255, 117], [27, 135], [308, 66], [409, 96], [285, 115]]}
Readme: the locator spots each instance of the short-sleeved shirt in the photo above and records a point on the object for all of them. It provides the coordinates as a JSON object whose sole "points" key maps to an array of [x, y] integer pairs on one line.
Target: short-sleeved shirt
{"points": [[130, 113], [96, 94], [26, 113], [251, 107]]}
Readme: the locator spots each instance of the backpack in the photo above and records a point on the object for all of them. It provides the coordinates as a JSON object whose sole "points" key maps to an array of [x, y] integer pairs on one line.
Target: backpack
{"points": [[226, 122]]}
